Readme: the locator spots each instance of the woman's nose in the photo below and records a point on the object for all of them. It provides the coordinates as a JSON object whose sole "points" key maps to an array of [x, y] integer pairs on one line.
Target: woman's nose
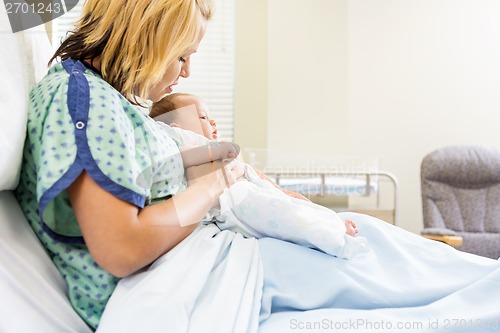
{"points": [[186, 69]]}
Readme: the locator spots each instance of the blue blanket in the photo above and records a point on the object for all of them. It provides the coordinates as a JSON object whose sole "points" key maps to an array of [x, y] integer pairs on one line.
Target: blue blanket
{"points": [[404, 283], [218, 281]]}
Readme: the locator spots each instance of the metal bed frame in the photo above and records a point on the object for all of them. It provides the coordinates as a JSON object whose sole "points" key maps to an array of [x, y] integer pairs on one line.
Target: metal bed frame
{"points": [[368, 176]]}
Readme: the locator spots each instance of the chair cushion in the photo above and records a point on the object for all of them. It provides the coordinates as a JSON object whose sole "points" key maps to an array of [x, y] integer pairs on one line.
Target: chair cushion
{"points": [[459, 209], [483, 244]]}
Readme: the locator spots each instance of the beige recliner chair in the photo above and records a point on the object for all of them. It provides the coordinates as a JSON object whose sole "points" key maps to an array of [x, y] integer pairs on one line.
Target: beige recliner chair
{"points": [[461, 198]]}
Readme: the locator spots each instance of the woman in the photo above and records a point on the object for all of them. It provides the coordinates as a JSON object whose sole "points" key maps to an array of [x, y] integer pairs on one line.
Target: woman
{"points": [[105, 181], [93, 161]]}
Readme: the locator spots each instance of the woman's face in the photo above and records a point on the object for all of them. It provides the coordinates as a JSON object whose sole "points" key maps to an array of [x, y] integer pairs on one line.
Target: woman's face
{"points": [[180, 68]]}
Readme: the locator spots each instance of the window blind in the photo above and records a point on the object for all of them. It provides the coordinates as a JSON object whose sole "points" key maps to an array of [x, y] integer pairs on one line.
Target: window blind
{"points": [[212, 67]]}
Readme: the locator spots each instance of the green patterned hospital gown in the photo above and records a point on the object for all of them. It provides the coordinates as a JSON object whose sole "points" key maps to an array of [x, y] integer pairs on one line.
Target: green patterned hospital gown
{"points": [[77, 122]]}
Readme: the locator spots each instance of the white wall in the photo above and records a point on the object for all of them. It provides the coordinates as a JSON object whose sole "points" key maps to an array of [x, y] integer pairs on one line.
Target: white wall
{"points": [[389, 78], [250, 99], [422, 74], [307, 75]]}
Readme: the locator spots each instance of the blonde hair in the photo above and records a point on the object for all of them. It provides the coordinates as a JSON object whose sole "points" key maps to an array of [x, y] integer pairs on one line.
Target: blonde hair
{"points": [[166, 104], [136, 40]]}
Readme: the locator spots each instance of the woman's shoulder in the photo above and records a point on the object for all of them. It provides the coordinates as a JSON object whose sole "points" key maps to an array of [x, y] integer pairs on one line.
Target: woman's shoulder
{"points": [[62, 79], [71, 93], [55, 79], [62, 73]]}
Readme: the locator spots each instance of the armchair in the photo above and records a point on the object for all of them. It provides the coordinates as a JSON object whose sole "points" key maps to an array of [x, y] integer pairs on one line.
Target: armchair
{"points": [[461, 198]]}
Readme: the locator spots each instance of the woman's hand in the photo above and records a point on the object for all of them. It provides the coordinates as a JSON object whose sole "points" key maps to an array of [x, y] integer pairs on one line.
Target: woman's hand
{"points": [[212, 178], [227, 150]]}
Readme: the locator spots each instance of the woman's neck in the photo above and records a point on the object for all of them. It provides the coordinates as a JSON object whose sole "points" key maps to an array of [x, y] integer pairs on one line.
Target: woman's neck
{"points": [[94, 64]]}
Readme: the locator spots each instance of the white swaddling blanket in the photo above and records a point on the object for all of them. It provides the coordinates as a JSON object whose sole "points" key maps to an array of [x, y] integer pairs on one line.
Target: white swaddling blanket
{"points": [[256, 208]]}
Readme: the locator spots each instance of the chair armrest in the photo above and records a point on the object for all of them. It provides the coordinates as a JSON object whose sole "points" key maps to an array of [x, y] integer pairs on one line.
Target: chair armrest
{"points": [[444, 235]]}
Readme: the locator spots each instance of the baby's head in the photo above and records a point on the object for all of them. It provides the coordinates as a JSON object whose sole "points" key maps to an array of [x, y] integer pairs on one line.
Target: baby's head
{"points": [[185, 111]]}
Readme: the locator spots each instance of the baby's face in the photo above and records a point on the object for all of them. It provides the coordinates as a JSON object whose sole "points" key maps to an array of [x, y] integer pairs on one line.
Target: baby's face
{"points": [[194, 116]]}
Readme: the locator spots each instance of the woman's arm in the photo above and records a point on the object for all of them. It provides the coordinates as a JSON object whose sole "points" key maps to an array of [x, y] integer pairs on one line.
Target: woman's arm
{"points": [[196, 155], [123, 239]]}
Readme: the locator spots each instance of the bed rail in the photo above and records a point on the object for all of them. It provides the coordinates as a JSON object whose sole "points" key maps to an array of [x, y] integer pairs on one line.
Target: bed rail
{"points": [[324, 188]]}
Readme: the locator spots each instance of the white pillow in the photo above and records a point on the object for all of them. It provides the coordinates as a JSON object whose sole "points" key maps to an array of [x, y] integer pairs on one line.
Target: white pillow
{"points": [[23, 61], [33, 293]]}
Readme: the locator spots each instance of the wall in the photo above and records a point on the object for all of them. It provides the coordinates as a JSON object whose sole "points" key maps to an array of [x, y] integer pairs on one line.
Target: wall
{"points": [[422, 75], [307, 75], [388, 78], [250, 118]]}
